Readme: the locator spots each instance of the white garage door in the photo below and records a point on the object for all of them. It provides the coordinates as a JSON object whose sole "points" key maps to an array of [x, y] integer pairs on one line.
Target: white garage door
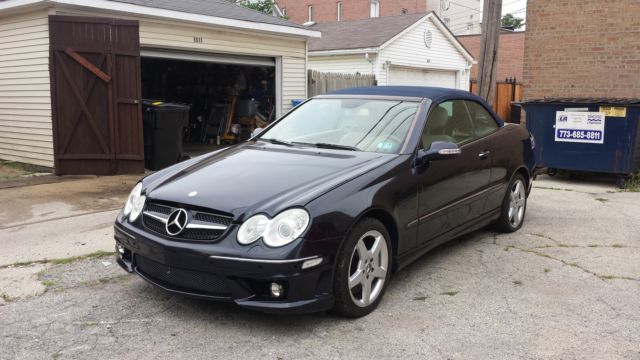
{"points": [[419, 77]]}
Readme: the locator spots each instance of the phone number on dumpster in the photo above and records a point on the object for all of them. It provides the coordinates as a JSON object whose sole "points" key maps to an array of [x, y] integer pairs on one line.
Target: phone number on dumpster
{"points": [[580, 134]]}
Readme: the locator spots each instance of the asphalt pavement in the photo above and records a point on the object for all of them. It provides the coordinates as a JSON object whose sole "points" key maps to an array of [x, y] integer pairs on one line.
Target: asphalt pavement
{"points": [[566, 286]]}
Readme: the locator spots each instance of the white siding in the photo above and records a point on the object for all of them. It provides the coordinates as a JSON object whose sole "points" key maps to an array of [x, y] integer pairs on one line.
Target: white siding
{"points": [[25, 95], [349, 64], [410, 51], [176, 35], [180, 36]]}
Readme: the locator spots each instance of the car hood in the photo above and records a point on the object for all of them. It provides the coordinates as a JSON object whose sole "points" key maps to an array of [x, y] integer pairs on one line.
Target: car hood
{"points": [[257, 177]]}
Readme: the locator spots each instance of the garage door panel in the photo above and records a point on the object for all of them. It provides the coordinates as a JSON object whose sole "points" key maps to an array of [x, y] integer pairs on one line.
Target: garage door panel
{"points": [[421, 77]]}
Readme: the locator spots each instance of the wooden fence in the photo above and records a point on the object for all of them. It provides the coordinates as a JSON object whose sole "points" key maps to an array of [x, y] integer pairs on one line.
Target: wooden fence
{"points": [[322, 83], [506, 93]]}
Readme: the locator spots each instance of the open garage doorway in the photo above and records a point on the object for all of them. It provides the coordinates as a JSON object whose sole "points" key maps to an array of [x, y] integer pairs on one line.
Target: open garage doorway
{"points": [[209, 101]]}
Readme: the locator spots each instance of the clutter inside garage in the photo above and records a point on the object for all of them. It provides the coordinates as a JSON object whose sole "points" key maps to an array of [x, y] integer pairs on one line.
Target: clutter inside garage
{"points": [[192, 107]]}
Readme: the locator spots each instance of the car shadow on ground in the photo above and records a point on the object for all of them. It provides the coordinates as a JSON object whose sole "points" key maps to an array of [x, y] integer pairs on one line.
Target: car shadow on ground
{"points": [[188, 309]]}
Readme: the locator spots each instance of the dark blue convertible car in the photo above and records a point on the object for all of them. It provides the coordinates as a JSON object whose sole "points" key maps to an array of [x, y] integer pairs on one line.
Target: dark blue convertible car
{"points": [[318, 210]]}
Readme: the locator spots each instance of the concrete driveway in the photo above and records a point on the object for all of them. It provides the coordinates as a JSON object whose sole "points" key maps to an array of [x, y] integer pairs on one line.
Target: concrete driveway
{"points": [[567, 285]]}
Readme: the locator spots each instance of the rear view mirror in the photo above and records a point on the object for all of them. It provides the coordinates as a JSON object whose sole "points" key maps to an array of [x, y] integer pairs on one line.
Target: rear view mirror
{"points": [[439, 150]]}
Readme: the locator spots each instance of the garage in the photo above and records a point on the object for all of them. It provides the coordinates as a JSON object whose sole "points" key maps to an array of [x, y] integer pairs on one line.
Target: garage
{"points": [[216, 88], [421, 77], [88, 74], [410, 50]]}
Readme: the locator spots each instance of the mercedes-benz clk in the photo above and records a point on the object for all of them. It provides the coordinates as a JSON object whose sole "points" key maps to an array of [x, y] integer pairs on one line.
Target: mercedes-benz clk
{"points": [[318, 210]]}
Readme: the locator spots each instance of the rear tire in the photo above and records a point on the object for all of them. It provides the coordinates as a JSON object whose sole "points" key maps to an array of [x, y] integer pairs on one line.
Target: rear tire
{"points": [[514, 206], [363, 269]]}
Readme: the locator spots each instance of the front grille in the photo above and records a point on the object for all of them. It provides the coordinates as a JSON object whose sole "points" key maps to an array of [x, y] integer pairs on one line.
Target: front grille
{"points": [[196, 230], [182, 279]]}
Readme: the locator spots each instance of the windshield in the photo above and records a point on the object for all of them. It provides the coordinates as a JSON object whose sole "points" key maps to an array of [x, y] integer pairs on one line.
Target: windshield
{"points": [[350, 124]]}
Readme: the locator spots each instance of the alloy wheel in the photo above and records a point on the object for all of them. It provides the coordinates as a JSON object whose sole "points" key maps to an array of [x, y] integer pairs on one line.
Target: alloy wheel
{"points": [[517, 202], [368, 268]]}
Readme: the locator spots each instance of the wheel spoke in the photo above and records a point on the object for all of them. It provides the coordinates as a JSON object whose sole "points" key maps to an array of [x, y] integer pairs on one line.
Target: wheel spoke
{"points": [[366, 292], [356, 279], [377, 246], [380, 272], [362, 250]]}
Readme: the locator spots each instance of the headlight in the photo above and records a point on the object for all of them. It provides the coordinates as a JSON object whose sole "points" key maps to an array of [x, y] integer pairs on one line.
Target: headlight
{"points": [[252, 229], [279, 231], [135, 203]]}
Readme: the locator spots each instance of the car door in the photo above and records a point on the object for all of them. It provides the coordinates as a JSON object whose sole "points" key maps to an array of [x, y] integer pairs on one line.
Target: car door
{"points": [[500, 147], [451, 190]]}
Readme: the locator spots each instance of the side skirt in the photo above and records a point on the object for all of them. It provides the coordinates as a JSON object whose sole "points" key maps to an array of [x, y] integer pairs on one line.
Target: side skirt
{"points": [[471, 226]]}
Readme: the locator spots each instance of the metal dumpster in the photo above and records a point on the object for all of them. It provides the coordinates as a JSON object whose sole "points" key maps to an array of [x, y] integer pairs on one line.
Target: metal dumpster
{"points": [[595, 135]]}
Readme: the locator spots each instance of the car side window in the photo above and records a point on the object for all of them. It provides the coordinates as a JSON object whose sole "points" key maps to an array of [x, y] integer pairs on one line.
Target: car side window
{"points": [[483, 122], [449, 121]]}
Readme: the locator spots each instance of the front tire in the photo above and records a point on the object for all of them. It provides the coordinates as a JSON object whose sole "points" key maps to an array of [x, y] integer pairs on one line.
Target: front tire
{"points": [[514, 206], [363, 270]]}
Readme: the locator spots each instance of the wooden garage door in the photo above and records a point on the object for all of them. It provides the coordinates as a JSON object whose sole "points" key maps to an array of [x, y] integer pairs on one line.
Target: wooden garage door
{"points": [[95, 75]]}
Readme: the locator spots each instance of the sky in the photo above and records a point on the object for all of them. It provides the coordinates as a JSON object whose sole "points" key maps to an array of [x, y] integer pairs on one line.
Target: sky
{"points": [[515, 7]]}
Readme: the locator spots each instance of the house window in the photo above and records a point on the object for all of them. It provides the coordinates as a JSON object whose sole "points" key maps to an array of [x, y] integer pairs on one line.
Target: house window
{"points": [[447, 21], [404, 11], [469, 26], [310, 9], [375, 9], [284, 11], [339, 10]]}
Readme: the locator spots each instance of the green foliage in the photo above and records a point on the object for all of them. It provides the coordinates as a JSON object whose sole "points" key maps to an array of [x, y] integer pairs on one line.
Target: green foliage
{"points": [[512, 21], [264, 6]]}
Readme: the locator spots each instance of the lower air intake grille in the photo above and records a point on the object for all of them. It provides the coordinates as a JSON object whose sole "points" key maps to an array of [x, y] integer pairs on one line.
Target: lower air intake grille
{"points": [[181, 279]]}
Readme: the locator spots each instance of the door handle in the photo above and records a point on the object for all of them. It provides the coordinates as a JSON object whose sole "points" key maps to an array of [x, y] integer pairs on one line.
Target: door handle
{"points": [[484, 155]]}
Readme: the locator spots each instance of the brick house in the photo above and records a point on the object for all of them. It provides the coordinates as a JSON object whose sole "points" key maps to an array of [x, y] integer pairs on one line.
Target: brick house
{"points": [[510, 54], [461, 16], [582, 48]]}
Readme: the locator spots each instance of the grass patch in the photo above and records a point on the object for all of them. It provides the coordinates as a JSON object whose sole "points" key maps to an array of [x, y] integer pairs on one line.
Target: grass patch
{"points": [[517, 282], [546, 270], [602, 200], [594, 246], [617, 246], [420, 298], [450, 293], [551, 188], [632, 184], [47, 283], [6, 298], [61, 261]]}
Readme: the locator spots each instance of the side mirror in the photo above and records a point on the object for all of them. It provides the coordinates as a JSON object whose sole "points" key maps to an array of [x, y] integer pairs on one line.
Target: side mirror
{"points": [[439, 150]]}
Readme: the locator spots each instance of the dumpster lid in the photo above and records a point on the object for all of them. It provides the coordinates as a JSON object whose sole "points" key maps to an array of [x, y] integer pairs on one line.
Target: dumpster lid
{"points": [[583, 101]]}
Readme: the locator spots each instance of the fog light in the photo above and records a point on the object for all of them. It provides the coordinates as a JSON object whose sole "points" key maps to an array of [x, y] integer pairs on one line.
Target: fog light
{"points": [[120, 248], [311, 263], [276, 290]]}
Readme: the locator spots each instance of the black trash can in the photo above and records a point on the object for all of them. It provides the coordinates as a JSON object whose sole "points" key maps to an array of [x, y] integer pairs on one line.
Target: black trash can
{"points": [[516, 111], [163, 125]]}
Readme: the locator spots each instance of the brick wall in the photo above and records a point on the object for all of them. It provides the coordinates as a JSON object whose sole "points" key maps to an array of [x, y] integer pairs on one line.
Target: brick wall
{"points": [[510, 54], [582, 48], [327, 10]]}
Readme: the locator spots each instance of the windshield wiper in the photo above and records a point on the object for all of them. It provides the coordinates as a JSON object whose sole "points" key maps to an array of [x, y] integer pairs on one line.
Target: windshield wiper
{"points": [[278, 142], [335, 146]]}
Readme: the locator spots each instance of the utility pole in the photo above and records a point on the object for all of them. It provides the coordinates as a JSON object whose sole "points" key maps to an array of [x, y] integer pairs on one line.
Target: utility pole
{"points": [[489, 40]]}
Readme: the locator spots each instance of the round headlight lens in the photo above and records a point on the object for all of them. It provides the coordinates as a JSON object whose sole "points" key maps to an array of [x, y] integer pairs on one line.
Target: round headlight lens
{"points": [[133, 196], [286, 227], [252, 229], [138, 205]]}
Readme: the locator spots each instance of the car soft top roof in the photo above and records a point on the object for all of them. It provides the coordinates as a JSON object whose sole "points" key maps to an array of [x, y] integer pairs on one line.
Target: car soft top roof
{"points": [[433, 93]]}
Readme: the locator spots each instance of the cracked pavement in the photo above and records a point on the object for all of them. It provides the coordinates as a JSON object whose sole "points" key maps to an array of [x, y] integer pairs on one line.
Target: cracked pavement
{"points": [[567, 285]]}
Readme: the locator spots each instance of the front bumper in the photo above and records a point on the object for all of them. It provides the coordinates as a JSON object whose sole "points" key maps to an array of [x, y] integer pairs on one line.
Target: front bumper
{"points": [[181, 269]]}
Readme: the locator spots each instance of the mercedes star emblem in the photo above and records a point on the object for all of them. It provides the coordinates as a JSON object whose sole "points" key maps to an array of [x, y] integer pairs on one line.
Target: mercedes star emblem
{"points": [[176, 222]]}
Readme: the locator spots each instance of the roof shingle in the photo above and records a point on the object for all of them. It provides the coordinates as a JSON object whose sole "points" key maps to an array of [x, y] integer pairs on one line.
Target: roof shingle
{"points": [[217, 8], [360, 34]]}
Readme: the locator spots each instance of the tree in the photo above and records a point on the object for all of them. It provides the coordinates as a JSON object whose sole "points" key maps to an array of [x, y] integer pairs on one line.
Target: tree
{"points": [[265, 6], [511, 21]]}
